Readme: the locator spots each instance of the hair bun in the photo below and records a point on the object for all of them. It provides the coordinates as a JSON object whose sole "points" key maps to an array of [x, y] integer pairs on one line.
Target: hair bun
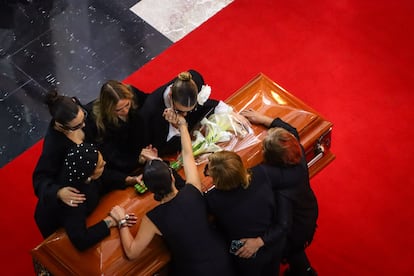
{"points": [[52, 97], [185, 76], [157, 178]]}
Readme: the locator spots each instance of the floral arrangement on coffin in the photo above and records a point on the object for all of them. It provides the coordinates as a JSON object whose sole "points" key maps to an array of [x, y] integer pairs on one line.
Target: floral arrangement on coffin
{"points": [[223, 130]]}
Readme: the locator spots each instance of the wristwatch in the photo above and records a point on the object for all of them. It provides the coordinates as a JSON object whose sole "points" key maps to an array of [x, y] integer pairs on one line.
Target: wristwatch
{"points": [[122, 223]]}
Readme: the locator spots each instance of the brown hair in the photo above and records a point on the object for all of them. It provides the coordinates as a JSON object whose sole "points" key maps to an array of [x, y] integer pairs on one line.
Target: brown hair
{"points": [[184, 90], [111, 93], [281, 148], [227, 170]]}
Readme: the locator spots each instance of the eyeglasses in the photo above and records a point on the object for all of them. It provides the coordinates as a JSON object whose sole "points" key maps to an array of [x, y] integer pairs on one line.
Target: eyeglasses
{"points": [[78, 126], [181, 112]]}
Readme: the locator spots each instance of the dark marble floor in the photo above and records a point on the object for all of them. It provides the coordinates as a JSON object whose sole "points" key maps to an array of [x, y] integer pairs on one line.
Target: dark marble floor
{"points": [[68, 44]]}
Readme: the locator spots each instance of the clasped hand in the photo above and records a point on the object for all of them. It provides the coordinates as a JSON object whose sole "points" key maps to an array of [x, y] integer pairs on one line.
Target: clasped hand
{"points": [[173, 117], [118, 213], [148, 153]]}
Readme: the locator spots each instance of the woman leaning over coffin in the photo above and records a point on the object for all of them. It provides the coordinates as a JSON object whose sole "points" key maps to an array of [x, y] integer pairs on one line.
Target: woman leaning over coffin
{"points": [[83, 169], [286, 166], [65, 130], [70, 126], [119, 127], [181, 218], [188, 96], [253, 221]]}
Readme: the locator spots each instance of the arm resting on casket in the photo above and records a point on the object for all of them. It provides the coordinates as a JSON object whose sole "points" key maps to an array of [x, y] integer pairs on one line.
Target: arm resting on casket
{"points": [[81, 236]]}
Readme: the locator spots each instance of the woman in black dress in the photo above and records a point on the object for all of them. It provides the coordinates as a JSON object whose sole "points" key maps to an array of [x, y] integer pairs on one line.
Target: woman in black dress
{"points": [[82, 169], [65, 130], [186, 96], [181, 218], [119, 127], [70, 126], [244, 208], [286, 167]]}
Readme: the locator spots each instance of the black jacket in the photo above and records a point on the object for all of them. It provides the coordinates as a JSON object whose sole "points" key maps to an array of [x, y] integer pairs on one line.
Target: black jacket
{"points": [[157, 127], [293, 183]]}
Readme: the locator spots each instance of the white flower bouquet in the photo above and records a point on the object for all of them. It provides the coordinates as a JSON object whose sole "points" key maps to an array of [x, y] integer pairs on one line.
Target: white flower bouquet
{"points": [[223, 130]]}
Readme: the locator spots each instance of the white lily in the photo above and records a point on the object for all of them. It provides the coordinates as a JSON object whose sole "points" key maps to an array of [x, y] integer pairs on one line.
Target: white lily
{"points": [[224, 130]]}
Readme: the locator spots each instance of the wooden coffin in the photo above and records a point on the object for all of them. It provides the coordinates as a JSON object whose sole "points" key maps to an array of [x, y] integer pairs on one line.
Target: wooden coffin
{"points": [[267, 97], [56, 254]]}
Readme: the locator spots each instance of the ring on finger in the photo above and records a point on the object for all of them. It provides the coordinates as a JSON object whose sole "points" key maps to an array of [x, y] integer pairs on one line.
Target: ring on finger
{"points": [[71, 202]]}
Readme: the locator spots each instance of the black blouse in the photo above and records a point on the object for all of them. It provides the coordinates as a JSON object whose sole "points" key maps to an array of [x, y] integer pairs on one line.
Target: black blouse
{"points": [[197, 249], [122, 144]]}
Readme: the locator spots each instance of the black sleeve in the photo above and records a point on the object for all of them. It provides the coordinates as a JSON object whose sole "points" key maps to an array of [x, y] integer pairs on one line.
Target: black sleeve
{"points": [[44, 182], [282, 225], [280, 123], [120, 160], [113, 179], [79, 234], [46, 173]]}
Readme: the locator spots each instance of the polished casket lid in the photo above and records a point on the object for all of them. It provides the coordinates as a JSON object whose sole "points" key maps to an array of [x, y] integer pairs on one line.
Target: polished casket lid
{"points": [[267, 97], [57, 255]]}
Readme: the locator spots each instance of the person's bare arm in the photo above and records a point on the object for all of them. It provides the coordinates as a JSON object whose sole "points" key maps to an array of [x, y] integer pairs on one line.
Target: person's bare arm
{"points": [[190, 167], [133, 247]]}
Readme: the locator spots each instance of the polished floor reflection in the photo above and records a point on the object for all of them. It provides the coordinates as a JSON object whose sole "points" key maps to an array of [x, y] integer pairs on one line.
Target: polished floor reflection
{"points": [[70, 45]]}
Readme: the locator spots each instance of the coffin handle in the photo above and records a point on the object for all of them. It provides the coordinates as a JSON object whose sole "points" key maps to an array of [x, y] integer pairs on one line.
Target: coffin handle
{"points": [[320, 148], [320, 151]]}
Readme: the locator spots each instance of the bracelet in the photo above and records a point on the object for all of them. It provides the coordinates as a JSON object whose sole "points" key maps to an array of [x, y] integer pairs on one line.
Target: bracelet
{"points": [[122, 223]]}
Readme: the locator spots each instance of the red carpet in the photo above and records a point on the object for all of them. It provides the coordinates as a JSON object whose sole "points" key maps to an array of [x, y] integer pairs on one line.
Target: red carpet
{"points": [[353, 61]]}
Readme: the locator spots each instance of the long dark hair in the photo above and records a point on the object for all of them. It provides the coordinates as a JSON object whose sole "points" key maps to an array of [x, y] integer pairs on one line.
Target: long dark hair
{"points": [[157, 177], [63, 109]]}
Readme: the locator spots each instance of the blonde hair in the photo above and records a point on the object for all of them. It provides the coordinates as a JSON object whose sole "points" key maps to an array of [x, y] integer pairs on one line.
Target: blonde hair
{"points": [[227, 170], [103, 108], [280, 147]]}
